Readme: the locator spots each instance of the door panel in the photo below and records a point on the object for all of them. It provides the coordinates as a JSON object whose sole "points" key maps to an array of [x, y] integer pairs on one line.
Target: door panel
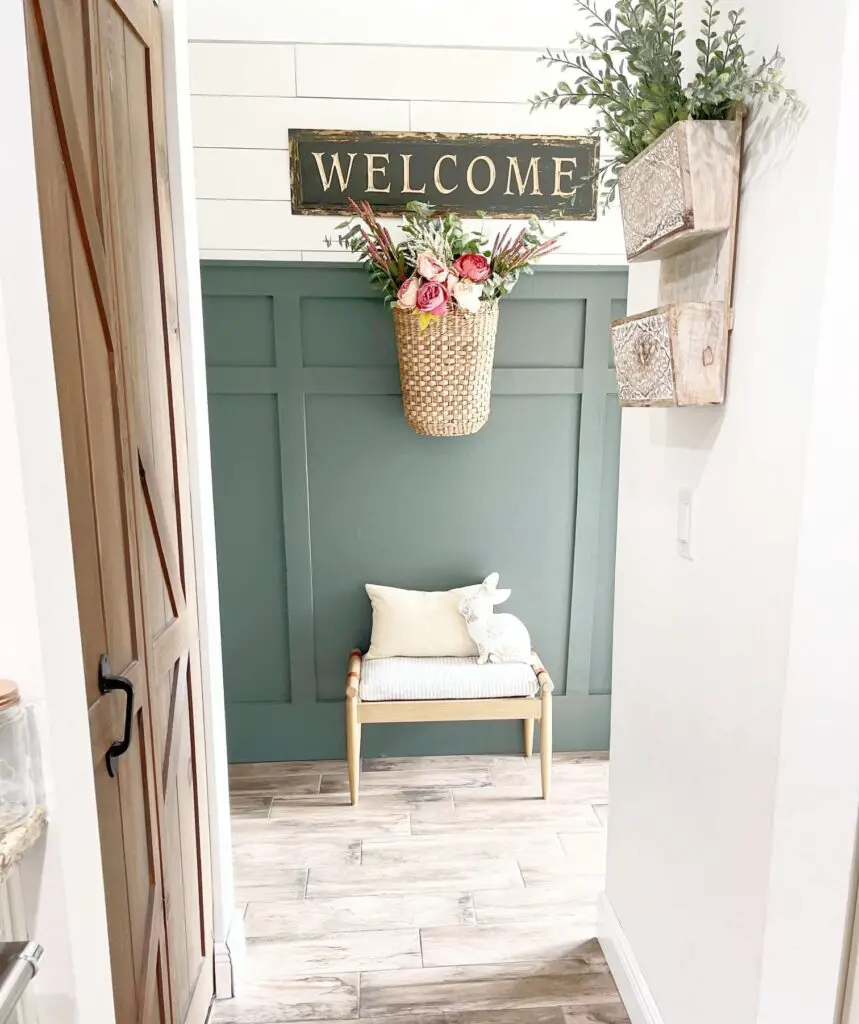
{"points": [[109, 464], [95, 69]]}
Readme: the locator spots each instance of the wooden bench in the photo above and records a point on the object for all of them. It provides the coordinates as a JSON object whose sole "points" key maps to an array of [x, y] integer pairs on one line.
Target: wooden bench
{"points": [[527, 709]]}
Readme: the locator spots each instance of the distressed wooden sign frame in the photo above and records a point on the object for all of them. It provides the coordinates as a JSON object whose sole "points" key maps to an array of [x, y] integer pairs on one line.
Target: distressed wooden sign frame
{"points": [[502, 176]]}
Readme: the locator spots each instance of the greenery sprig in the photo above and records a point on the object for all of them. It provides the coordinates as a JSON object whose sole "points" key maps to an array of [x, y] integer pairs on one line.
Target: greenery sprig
{"points": [[631, 71]]}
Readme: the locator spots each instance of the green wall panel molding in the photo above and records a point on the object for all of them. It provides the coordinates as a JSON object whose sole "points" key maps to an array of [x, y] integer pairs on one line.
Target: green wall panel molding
{"points": [[560, 343], [251, 567], [434, 510], [320, 486], [249, 317]]}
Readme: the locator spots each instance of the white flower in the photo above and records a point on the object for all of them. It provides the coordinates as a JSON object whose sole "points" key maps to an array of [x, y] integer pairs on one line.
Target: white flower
{"points": [[467, 294]]}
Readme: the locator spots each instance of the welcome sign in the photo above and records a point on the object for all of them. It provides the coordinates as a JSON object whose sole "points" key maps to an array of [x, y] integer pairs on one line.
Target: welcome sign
{"points": [[553, 177]]}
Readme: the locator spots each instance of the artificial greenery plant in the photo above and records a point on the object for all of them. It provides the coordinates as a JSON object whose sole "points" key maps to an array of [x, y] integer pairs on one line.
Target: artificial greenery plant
{"points": [[632, 72]]}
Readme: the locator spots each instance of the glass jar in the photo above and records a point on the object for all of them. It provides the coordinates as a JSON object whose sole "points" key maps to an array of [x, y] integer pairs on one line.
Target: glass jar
{"points": [[17, 792]]}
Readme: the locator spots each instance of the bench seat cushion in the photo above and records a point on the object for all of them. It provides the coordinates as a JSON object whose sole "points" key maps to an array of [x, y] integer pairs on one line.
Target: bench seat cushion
{"points": [[443, 679]]}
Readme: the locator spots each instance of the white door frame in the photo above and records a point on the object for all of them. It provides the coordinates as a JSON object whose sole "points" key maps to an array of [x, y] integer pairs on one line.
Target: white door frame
{"points": [[229, 939]]}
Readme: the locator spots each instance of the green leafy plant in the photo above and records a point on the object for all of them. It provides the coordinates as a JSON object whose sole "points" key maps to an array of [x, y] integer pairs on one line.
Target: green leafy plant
{"points": [[631, 71]]}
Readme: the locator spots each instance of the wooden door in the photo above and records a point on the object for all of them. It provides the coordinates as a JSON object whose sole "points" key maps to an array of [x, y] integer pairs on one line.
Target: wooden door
{"points": [[96, 86]]}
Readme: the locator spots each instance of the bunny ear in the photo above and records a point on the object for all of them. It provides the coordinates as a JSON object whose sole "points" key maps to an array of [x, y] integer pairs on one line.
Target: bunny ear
{"points": [[491, 581], [500, 596]]}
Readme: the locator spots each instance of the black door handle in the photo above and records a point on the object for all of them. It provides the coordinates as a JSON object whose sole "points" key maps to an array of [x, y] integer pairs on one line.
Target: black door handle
{"points": [[107, 683]]}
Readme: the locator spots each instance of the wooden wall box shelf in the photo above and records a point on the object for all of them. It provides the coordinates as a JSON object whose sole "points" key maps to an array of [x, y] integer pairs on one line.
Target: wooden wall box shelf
{"points": [[679, 201], [673, 355], [679, 191]]}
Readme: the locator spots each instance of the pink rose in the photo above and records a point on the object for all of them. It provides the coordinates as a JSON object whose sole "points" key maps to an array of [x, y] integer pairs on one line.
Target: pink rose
{"points": [[431, 268], [472, 266], [432, 298], [407, 295]]}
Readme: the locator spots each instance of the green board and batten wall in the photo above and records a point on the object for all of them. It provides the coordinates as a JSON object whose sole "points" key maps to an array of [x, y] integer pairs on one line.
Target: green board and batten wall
{"points": [[320, 486]]}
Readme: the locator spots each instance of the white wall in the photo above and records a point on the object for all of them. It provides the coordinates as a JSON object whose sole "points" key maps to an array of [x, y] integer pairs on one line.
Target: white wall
{"points": [[261, 66], [39, 631], [735, 766]]}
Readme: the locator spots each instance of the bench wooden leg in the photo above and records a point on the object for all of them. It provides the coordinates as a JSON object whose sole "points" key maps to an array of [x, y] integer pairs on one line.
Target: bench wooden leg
{"points": [[353, 725], [546, 741], [353, 747], [528, 725]]}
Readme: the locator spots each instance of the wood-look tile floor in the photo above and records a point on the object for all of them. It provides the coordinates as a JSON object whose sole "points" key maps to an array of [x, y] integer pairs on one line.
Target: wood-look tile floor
{"points": [[450, 895]]}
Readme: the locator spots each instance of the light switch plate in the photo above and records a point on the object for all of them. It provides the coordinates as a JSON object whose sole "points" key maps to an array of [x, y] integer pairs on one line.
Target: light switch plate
{"points": [[684, 524]]}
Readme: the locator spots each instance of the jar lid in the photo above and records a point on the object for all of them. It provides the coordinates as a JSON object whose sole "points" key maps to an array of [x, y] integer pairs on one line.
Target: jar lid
{"points": [[9, 694]]}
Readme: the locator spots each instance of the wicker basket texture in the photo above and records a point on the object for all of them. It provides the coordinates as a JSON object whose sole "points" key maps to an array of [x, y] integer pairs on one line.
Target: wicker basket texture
{"points": [[446, 369]]}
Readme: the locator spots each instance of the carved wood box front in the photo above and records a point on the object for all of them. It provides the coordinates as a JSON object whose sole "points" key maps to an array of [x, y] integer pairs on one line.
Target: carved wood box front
{"points": [[673, 355], [679, 191]]}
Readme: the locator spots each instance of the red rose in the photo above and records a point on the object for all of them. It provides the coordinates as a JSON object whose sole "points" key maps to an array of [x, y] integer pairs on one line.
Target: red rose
{"points": [[472, 266], [432, 298]]}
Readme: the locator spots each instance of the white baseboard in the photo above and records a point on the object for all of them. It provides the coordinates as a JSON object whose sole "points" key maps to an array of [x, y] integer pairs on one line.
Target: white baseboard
{"points": [[224, 988], [636, 996], [229, 958]]}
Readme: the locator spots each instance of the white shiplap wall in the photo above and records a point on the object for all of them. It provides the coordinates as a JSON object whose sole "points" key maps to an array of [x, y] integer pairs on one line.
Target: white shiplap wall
{"points": [[259, 67]]}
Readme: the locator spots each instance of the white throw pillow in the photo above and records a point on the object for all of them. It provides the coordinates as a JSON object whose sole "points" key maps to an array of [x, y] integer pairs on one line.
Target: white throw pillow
{"points": [[419, 623]]}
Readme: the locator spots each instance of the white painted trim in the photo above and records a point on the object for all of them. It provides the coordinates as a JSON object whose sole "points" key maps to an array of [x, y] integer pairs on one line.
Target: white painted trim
{"points": [[180, 154], [636, 996], [230, 958], [225, 987]]}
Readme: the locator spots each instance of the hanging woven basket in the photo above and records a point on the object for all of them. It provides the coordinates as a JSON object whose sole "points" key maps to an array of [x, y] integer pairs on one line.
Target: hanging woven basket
{"points": [[446, 369]]}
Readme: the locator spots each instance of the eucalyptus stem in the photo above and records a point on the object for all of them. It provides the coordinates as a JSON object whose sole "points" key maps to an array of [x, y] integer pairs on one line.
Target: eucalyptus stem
{"points": [[633, 75]]}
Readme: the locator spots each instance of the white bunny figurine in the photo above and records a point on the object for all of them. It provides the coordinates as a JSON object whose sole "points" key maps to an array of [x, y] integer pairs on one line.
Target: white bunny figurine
{"points": [[499, 638]]}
